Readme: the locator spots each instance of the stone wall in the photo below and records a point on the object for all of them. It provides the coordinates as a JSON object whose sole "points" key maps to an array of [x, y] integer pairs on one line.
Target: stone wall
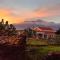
{"points": [[9, 39]]}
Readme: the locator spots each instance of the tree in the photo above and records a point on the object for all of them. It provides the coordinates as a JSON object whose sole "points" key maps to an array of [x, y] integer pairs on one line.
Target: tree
{"points": [[2, 21], [34, 33], [58, 32], [57, 39], [12, 30], [29, 32], [6, 28], [2, 27]]}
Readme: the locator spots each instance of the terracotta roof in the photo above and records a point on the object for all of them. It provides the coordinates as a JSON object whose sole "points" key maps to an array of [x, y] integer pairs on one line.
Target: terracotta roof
{"points": [[47, 29]]}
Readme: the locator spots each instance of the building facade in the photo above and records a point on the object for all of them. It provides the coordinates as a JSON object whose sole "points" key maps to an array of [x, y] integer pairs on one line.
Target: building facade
{"points": [[44, 32]]}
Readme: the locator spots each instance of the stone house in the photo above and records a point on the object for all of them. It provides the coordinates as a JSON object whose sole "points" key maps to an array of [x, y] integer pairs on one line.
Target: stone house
{"points": [[44, 32]]}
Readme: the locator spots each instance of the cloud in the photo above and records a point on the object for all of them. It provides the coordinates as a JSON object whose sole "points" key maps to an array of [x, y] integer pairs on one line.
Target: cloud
{"points": [[16, 16], [49, 11], [7, 14]]}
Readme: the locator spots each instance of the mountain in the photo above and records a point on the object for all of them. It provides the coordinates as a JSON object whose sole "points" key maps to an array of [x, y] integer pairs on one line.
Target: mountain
{"points": [[37, 22]]}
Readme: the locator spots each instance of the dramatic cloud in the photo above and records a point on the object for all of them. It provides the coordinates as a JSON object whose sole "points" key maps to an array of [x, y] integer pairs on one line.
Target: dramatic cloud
{"points": [[17, 11], [9, 15], [17, 16], [48, 11]]}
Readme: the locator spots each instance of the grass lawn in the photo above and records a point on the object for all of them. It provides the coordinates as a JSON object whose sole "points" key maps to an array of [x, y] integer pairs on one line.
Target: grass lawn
{"points": [[48, 49], [37, 42], [42, 49]]}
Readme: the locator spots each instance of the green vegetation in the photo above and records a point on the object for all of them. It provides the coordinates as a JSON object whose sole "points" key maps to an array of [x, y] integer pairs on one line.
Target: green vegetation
{"points": [[57, 39], [30, 32], [37, 42], [40, 48], [58, 32], [7, 29], [49, 48], [38, 53]]}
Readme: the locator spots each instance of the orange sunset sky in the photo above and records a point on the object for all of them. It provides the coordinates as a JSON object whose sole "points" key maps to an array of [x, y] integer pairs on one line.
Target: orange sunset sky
{"points": [[18, 11]]}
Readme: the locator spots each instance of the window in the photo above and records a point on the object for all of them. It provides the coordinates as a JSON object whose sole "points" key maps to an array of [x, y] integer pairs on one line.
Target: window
{"points": [[45, 36]]}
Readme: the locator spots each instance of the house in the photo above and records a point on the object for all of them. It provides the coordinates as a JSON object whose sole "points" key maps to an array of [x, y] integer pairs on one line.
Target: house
{"points": [[44, 32]]}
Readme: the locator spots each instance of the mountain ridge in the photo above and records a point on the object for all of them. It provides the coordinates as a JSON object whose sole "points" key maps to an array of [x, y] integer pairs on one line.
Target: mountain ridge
{"points": [[36, 23]]}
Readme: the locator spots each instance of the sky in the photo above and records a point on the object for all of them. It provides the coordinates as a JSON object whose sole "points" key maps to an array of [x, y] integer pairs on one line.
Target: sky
{"points": [[18, 11]]}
